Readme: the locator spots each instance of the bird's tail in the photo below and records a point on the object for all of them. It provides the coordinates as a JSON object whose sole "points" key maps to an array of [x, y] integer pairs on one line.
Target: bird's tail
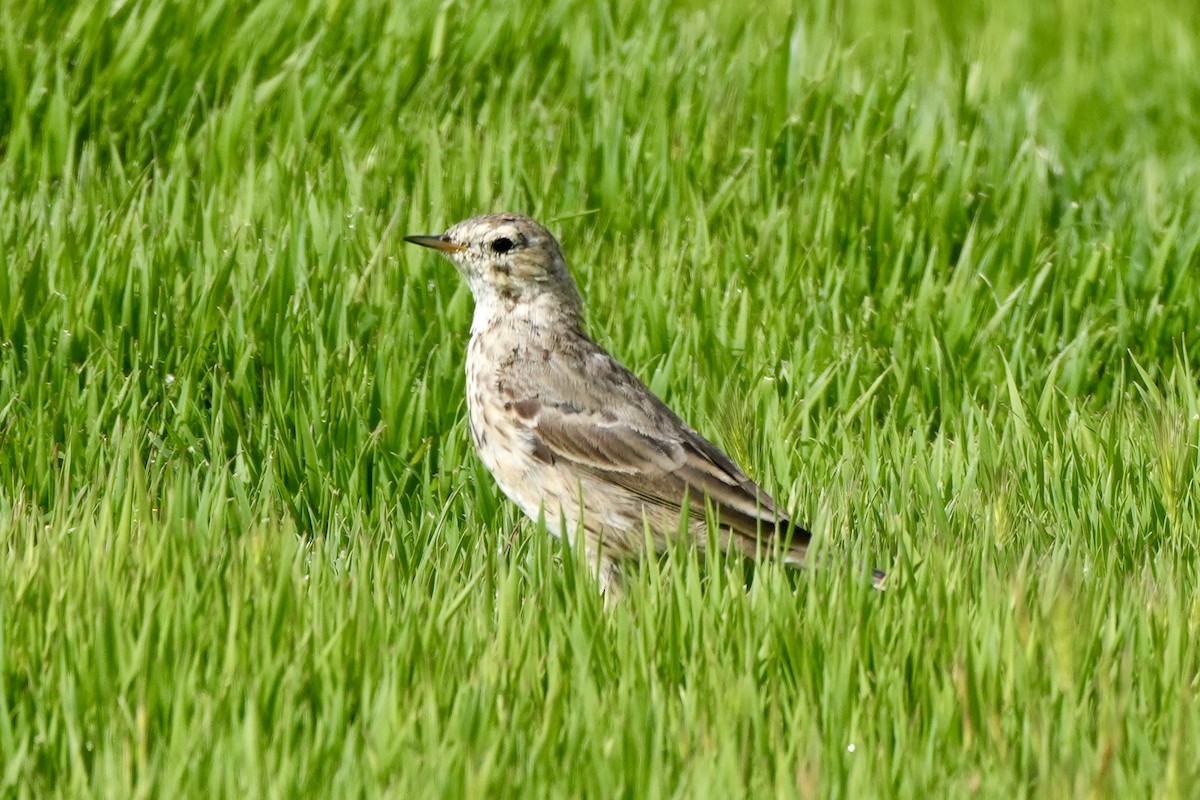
{"points": [[797, 540]]}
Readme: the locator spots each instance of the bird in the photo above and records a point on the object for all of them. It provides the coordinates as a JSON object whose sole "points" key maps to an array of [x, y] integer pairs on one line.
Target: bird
{"points": [[573, 437]]}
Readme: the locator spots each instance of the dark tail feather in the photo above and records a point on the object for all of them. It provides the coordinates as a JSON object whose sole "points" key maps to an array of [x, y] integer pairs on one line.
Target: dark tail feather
{"points": [[797, 540]]}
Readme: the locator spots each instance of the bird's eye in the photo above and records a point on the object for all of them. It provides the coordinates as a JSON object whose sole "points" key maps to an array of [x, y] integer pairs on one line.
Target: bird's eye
{"points": [[502, 245]]}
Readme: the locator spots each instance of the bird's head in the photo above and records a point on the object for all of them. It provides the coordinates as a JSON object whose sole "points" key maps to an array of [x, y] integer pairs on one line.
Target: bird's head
{"points": [[506, 256]]}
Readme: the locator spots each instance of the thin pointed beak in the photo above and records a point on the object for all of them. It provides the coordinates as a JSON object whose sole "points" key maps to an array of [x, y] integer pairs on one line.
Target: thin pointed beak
{"points": [[442, 243]]}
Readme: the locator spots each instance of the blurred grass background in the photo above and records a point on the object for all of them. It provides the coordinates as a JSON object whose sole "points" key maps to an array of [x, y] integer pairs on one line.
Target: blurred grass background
{"points": [[929, 269]]}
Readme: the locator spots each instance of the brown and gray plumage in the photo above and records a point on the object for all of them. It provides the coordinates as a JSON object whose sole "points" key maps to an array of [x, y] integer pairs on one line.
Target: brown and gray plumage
{"points": [[570, 433]]}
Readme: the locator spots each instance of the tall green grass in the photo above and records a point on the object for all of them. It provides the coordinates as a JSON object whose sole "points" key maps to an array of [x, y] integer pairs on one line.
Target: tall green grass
{"points": [[931, 271]]}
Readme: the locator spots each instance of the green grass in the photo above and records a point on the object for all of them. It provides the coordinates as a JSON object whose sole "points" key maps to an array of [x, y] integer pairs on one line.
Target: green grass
{"points": [[930, 270]]}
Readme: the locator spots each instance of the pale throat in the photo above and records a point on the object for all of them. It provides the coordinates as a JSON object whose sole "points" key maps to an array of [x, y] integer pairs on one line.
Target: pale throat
{"points": [[529, 314]]}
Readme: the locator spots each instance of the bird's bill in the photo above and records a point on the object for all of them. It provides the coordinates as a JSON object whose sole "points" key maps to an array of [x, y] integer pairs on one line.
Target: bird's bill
{"points": [[442, 243]]}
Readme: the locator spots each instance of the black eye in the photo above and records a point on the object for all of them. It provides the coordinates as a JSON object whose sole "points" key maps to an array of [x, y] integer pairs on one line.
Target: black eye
{"points": [[502, 245]]}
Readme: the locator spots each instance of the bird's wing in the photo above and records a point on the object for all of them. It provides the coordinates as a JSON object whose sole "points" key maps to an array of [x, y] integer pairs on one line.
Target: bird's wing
{"points": [[614, 428]]}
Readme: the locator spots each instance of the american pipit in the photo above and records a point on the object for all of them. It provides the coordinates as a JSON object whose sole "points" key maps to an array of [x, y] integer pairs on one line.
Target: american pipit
{"points": [[570, 433]]}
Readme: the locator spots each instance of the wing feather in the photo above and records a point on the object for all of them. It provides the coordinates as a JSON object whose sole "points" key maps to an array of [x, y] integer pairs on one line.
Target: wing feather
{"points": [[664, 468]]}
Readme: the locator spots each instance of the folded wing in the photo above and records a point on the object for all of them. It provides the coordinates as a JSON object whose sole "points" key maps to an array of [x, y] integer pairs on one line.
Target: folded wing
{"points": [[661, 461]]}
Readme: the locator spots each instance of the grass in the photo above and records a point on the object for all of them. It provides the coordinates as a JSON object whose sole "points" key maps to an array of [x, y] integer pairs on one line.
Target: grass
{"points": [[930, 270]]}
